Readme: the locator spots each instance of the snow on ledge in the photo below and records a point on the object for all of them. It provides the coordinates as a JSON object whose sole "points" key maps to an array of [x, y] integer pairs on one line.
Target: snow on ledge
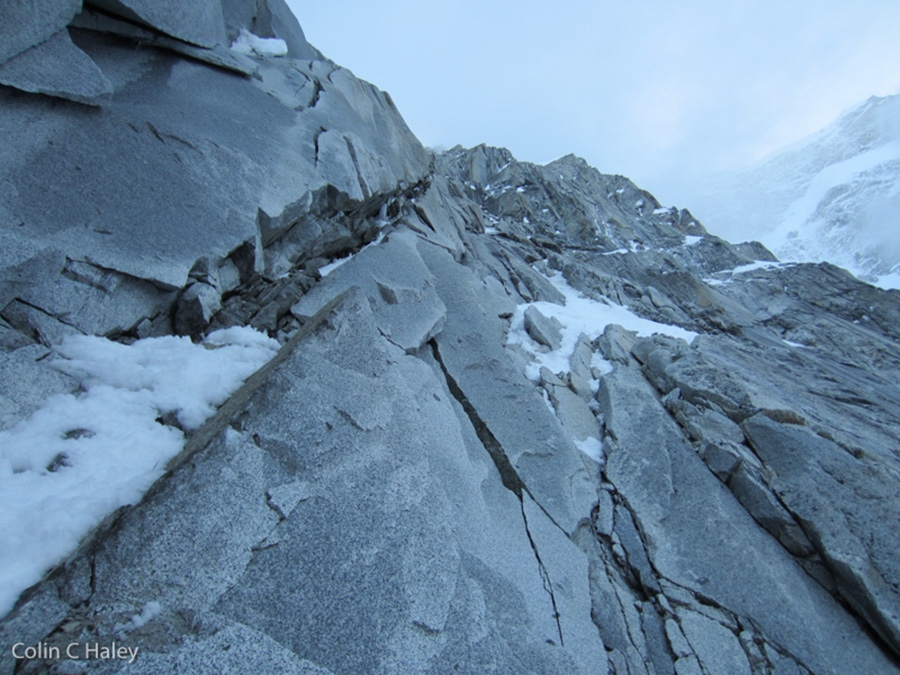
{"points": [[81, 456], [250, 44]]}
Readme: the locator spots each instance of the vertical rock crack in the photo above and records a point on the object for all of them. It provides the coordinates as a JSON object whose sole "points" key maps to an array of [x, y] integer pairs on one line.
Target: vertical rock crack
{"points": [[508, 475]]}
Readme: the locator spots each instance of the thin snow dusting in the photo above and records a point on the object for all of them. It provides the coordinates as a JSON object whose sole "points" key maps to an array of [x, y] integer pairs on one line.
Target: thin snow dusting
{"points": [[579, 315], [81, 456], [690, 240], [249, 44]]}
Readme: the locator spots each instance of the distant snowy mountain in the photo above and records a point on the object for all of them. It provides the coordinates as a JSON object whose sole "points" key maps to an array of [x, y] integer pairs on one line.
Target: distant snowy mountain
{"points": [[832, 196]]}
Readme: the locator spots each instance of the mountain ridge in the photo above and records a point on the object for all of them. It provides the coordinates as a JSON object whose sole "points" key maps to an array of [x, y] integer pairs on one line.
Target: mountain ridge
{"points": [[523, 418], [828, 196]]}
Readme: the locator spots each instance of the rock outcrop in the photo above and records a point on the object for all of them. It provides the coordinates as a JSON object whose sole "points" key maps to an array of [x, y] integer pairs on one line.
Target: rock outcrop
{"points": [[524, 418]]}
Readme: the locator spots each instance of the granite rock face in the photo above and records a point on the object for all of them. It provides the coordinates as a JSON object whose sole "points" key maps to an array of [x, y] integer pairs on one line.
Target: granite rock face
{"points": [[56, 67], [442, 471], [27, 23]]}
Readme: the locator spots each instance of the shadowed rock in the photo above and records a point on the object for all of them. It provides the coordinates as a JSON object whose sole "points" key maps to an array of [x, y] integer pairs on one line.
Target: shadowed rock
{"points": [[199, 22]]}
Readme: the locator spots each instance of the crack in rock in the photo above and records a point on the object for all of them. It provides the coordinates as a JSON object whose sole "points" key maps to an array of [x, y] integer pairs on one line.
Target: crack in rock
{"points": [[545, 575], [509, 477], [284, 498]]}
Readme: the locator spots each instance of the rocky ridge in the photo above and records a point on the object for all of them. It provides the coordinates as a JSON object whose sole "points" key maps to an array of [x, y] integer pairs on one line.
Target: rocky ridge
{"points": [[403, 489]]}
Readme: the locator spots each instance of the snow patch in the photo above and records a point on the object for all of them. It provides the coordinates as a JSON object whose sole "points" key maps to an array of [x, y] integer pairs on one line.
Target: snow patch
{"points": [[151, 611], [325, 270], [592, 448], [249, 44], [81, 456], [579, 315], [602, 365], [727, 276], [758, 265]]}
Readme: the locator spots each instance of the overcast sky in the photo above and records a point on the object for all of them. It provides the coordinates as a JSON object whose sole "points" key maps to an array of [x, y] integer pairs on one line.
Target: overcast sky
{"points": [[661, 91]]}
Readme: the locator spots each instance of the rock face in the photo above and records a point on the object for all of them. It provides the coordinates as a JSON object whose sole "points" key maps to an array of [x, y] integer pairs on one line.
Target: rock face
{"points": [[443, 470]]}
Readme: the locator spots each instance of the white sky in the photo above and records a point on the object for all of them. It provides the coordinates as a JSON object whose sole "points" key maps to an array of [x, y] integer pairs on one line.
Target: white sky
{"points": [[661, 91]]}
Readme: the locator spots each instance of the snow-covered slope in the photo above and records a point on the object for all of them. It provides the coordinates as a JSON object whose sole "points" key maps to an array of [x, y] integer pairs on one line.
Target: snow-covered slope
{"points": [[833, 196]]}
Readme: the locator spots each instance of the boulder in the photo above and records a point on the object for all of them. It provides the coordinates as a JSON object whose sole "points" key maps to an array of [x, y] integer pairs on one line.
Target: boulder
{"points": [[580, 375], [541, 329], [400, 288]]}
